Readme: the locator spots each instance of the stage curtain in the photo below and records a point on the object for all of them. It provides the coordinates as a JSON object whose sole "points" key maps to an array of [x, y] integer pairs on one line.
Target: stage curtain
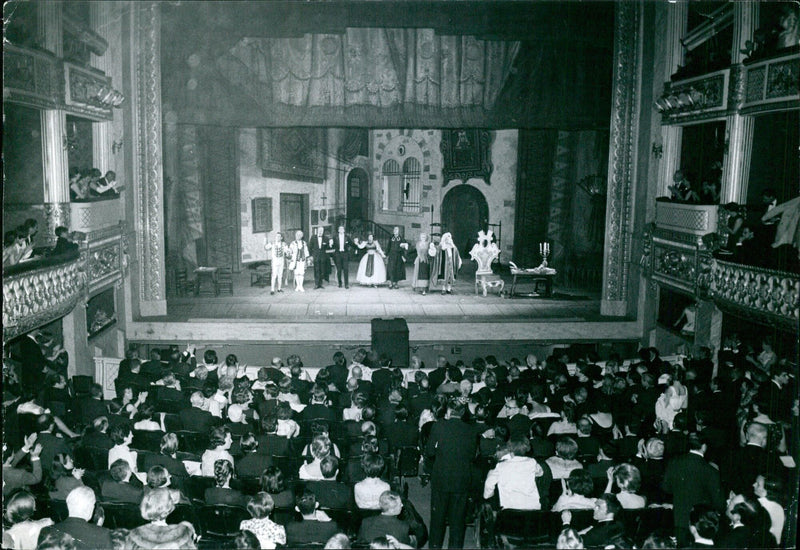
{"points": [[400, 74], [183, 192]]}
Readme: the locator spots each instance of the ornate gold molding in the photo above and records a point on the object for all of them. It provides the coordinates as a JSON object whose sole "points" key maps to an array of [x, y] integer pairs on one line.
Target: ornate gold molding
{"points": [[148, 170], [624, 133], [34, 298]]}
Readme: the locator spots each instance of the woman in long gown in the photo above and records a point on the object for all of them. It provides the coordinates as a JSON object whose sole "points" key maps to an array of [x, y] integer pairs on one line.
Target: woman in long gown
{"points": [[371, 269], [422, 265]]}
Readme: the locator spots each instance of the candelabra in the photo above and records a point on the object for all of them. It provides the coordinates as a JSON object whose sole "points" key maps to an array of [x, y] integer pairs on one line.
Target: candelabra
{"points": [[544, 251]]}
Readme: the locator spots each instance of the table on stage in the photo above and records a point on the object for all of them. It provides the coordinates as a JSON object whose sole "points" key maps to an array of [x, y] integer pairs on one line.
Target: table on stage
{"points": [[206, 281], [537, 278]]}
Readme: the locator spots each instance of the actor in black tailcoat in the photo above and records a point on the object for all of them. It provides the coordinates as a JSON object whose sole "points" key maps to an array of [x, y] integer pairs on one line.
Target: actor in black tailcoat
{"points": [[341, 246], [396, 263]]}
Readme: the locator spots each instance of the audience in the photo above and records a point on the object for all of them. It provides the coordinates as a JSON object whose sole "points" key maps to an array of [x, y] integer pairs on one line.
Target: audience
{"points": [[499, 437]]}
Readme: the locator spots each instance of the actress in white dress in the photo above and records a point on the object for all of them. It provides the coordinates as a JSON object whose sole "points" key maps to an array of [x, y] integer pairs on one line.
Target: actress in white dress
{"points": [[371, 269]]}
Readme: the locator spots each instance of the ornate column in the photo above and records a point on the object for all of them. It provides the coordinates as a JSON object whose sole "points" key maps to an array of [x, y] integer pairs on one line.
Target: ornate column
{"points": [[147, 183], [623, 137], [99, 13], [671, 136], [739, 129], [53, 121]]}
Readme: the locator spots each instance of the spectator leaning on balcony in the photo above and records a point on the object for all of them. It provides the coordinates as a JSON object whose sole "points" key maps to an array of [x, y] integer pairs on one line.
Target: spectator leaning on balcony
{"points": [[64, 242], [107, 186]]}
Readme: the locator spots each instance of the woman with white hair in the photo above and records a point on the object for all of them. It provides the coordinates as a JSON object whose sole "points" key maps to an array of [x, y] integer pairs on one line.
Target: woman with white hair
{"points": [[156, 506]]}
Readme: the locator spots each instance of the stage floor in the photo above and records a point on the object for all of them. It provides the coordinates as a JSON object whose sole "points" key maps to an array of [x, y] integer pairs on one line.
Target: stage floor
{"points": [[359, 303]]}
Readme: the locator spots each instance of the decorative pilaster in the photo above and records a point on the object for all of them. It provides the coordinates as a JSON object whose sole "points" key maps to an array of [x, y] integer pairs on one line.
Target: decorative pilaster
{"points": [[51, 27], [736, 165], [624, 133], [99, 12], [672, 136], [147, 180]]}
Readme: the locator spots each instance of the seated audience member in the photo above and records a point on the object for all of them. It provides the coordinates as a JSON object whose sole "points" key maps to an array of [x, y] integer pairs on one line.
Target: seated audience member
{"points": [[270, 442], [319, 407], [197, 418], [158, 477], [588, 445], [80, 507], [268, 532], [577, 492], [354, 411], [318, 428], [651, 464], [769, 490], [315, 527], [388, 522], [145, 420], [569, 539], [329, 492], [23, 531], [122, 437], [222, 493], [566, 424], [51, 442], [64, 244], [169, 390], [749, 525], [64, 477], [339, 541], [629, 480], [606, 527], [564, 460], [237, 423], [320, 448], [515, 477], [92, 406], [251, 464], [247, 540], [286, 426], [219, 444], [16, 478], [367, 492], [167, 457], [274, 483], [703, 525], [155, 508], [401, 432], [97, 435], [119, 488]]}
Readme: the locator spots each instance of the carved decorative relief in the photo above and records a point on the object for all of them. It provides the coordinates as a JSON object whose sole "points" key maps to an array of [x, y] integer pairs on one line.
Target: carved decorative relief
{"points": [[148, 151], [757, 291], [697, 98], [674, 263], [103, 262], [37, 297], [772, 84], [84, 90], [623, 136], [782, 79], [31, 77]]}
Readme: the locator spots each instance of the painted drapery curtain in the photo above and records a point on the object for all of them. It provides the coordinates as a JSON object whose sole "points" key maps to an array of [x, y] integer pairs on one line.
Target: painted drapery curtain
{"points": [[369, 68]]}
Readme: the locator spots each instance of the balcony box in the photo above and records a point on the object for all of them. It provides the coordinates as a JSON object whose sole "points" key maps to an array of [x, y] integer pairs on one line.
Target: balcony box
{"points": [[91, 216], [693, 219]]}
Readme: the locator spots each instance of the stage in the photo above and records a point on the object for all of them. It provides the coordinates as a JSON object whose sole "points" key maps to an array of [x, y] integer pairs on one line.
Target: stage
{"points": [[342, 316]]}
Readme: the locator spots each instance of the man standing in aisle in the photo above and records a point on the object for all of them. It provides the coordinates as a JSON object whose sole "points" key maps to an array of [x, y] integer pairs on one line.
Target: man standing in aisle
{"points": [[299, 253], [340, 246], [317, 248], [396, 264], [452, 444]]}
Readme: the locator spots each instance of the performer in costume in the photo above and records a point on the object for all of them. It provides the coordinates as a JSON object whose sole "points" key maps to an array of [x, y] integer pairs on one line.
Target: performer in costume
{"points": [[340, 246], [396, 265], [422, 265], [277, 252], [446, 264], [299, 254], [371, 270], [318, 247]]}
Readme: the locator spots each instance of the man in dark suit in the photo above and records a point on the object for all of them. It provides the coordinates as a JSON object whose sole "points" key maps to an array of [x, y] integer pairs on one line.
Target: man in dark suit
{"points": [[452, 444], [742, 465], [97, 437], [52, 444], [437, 375], [606, 528], [123, 485], [338, 369], [252, 463], [691, 480], [93, 406], [64, 244], [313, 528], [317, 248], [318, 408], [80, 505], [776, 394], [382, 377], [401, 432], [153, 369], [270, 443], [329, 492], [341, 246], [195, 418], [387, 523]]}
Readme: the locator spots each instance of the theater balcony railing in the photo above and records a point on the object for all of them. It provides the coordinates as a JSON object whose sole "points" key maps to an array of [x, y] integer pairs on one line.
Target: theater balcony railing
{"points": [[40, 291], [678, 255]]}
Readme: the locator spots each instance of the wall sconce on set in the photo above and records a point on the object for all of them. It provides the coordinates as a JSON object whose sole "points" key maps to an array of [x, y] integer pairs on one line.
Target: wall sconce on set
{"points": [[658, 150], [116, 147]]}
